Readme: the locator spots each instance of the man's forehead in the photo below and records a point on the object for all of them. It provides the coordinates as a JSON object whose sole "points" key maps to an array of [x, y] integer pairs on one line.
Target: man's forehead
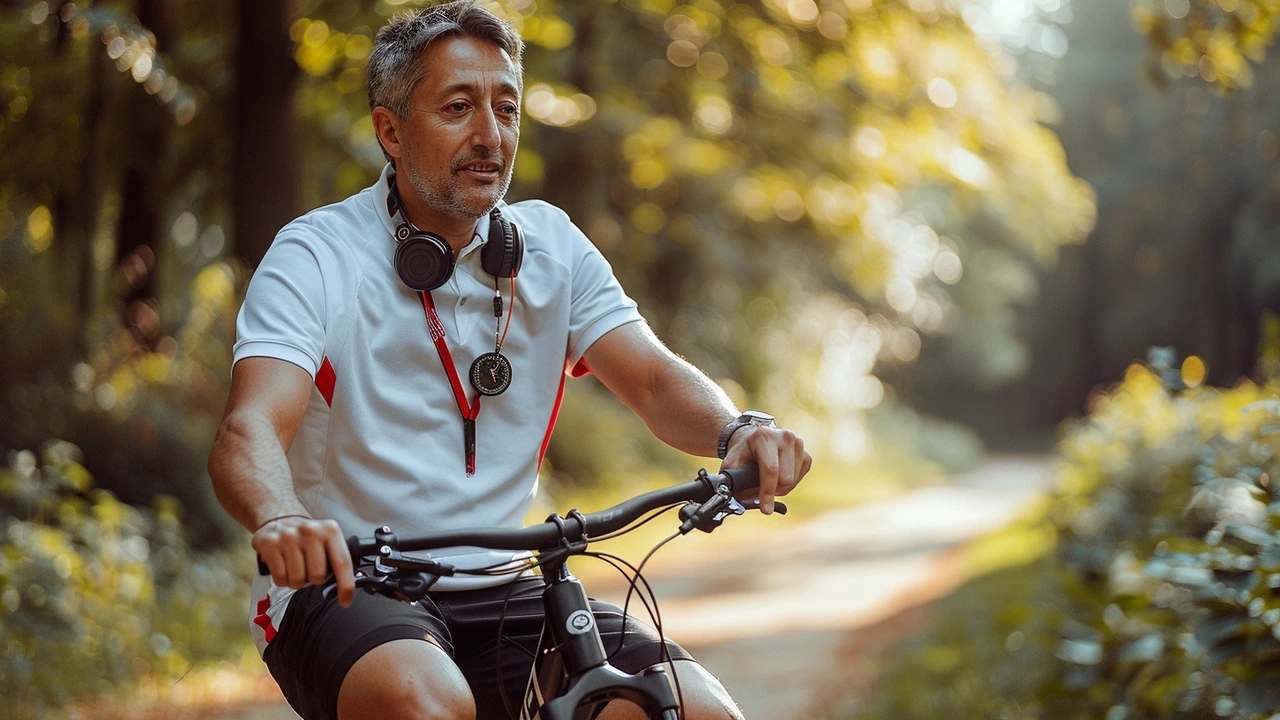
{"points": [[464, 63]]}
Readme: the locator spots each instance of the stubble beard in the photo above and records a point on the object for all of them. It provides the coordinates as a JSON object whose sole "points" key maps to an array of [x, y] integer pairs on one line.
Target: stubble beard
{"points": [[450, 199]]}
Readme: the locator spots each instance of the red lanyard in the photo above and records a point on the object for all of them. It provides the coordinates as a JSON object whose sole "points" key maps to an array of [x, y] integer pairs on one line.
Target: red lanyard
{"points": [[469, 412]]}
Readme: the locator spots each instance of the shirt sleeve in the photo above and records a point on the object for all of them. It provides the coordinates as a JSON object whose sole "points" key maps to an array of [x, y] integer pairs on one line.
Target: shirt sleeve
{"points": [[598, 302], [284, 315]]}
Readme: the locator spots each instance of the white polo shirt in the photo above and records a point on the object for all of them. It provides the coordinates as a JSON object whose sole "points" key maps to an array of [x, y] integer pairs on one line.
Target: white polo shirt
{"points": [[381, 441]]}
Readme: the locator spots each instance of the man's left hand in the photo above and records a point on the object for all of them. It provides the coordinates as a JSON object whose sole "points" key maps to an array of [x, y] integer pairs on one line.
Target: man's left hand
{"points": [[780, 454]]}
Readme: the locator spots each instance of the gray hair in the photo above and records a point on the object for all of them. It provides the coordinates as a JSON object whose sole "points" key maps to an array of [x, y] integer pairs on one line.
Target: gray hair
{"points": [[395, 64]]}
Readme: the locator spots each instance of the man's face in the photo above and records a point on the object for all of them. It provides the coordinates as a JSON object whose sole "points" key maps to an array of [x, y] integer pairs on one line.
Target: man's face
{"points": [[458, 144]]}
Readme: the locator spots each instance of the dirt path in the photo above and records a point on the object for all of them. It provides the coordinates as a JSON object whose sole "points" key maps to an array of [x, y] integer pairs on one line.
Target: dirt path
{"points": [[786, 624], [789, 613]]}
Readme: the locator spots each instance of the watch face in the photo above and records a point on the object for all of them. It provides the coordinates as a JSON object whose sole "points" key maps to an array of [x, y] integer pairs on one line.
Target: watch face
{"points": [[491, 374], [755, 417]]}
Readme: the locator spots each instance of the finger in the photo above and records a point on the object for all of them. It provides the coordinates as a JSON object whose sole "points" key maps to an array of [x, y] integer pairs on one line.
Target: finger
{"points": [[340, 562], [786, 462], [766, 452], [798, 458], [275, 565], [265, 543], [806, 462], [315, 550], [295, 563]]}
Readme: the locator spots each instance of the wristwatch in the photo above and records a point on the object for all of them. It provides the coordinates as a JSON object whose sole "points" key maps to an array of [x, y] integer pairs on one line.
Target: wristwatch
{"points": [[750, 417]]}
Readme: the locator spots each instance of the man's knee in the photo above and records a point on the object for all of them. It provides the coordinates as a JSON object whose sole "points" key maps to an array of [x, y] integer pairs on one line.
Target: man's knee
{"points": [[404, 699], [405, 680], [705, 698]]}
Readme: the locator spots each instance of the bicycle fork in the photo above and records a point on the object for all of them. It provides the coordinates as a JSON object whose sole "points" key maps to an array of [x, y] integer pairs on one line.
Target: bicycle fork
{"points": [[592, 680]]}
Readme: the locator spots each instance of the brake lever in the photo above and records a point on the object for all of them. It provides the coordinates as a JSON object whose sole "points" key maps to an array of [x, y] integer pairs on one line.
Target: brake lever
{"points": [[779, 507], [711, 514], [331, 584], [401, 585]]}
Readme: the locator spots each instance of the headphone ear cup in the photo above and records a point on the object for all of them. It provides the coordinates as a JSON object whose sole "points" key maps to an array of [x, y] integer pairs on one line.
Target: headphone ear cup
{"points": [[423, 261], [503, 254], [517, 249]]}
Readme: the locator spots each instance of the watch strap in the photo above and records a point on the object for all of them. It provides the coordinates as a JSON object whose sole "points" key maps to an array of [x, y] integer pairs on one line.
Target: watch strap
{"points": [[751, 417]]}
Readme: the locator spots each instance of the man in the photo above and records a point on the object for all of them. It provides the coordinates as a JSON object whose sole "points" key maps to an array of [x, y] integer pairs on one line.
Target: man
{"points": [[346, 409]]}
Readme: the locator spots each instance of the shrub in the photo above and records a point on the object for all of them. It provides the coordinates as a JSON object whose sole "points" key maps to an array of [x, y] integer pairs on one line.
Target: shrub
{"points": [[96, 595], [144, 415], [1162, 596]]}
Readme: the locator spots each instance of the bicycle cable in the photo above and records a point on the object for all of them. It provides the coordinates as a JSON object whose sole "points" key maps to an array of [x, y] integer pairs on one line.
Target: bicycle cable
{"points": [[502, 620], [657, 616], [654, 614], [675, 679], [636, 525], [618, 564]]}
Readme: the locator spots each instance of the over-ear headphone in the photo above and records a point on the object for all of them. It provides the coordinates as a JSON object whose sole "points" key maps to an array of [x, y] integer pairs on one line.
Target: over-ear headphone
{"points": [[424, 261]]}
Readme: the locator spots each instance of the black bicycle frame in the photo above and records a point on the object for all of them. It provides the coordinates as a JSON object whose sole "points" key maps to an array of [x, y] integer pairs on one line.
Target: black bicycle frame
{"points": [[592, 681]]}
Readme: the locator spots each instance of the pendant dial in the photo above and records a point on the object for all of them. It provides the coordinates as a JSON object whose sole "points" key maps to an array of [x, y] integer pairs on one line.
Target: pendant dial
{"points": [[491, 374]]}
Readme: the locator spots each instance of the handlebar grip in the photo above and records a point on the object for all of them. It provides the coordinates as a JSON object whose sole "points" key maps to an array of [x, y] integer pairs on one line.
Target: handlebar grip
{"points": [[743, 478]]}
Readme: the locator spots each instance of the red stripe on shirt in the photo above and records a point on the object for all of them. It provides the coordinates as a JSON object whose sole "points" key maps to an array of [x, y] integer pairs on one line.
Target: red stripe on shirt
{"points": [[262, 620], [325, 380], [551, 424]]}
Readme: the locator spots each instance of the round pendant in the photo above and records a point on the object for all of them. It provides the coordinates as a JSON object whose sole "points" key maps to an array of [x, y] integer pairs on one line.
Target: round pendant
{"points": [[491, 374]]}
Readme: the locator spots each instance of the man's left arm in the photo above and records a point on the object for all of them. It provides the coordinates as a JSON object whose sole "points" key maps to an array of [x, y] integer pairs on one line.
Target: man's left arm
{"points": [[687, 410]]}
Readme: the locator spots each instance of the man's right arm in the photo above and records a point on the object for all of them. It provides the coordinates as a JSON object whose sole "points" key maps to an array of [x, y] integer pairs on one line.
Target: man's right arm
{"points": [[251, 477]]}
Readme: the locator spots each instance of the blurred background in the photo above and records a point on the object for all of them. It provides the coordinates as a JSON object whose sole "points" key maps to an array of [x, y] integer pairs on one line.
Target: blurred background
{"points": [[1011, 267]]}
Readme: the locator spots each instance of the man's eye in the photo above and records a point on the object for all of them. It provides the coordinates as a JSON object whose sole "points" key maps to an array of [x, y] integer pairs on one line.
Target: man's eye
{"points": [[458, 107]]}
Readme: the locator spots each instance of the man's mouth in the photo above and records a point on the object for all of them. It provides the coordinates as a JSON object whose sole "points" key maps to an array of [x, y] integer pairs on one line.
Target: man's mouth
{"points": [[482, 170]]}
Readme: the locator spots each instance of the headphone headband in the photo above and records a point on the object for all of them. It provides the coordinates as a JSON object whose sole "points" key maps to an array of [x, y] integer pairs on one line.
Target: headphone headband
{"points": [[424, 260]]}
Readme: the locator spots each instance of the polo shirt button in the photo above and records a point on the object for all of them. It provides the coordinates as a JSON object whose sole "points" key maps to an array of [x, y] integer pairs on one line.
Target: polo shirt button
{"points": [[463, 301]]}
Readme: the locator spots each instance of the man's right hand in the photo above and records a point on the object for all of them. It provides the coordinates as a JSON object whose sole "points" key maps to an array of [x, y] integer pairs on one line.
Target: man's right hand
{"points": [[300, 550]]}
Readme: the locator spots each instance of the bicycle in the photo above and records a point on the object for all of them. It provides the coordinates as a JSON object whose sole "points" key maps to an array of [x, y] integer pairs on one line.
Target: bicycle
{"points": [[589, 682]]}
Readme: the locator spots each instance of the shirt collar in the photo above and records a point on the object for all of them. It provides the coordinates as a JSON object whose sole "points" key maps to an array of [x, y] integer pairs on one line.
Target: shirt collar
{"points": [[382, 192]]}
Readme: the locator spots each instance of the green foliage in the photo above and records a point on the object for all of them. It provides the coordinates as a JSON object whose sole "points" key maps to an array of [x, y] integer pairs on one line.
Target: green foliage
{"points": [[1161, 598], [97, 596], [919, 198], [144, 417], [1217, 40], [923, 191]]}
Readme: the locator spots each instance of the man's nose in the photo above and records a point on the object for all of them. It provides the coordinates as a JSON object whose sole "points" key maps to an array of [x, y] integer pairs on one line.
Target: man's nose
{"points": [[485, 131]]}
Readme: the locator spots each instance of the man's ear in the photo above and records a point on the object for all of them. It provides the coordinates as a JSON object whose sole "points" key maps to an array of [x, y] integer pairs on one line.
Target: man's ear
{"points": [[386, 127]]}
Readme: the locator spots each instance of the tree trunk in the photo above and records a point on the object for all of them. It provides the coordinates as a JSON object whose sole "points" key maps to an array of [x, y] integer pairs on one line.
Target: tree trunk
{"points": [[265, 183], [145, 184], [78, 203], [569, 170]]}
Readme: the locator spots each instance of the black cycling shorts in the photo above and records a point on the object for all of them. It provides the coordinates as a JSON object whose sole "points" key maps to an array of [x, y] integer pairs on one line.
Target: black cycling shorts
{"points": [[318, 641]]}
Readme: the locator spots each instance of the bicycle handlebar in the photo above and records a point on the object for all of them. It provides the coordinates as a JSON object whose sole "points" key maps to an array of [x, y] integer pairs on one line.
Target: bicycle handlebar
{"points": [[548, 535]]}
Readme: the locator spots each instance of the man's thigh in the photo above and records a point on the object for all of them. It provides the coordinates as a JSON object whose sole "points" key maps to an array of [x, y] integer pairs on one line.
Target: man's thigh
{"points": [[320, 644]]}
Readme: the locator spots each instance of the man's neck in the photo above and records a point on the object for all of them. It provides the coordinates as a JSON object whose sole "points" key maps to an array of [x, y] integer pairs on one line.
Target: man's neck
{"points": [[456, 232]]}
